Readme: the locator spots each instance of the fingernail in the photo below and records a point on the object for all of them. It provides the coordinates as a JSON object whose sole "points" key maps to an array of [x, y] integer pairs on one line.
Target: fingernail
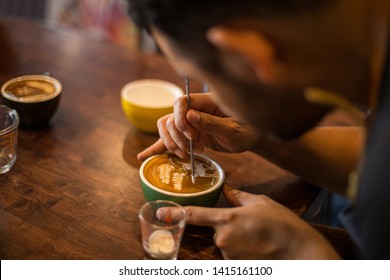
{"points": [[187, 134], [180, 153], [140, 157], [193, 118], [160, 214]]}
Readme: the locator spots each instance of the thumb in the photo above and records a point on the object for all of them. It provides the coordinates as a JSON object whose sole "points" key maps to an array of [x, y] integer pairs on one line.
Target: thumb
{"points": [[209, 123], [239, 198]]}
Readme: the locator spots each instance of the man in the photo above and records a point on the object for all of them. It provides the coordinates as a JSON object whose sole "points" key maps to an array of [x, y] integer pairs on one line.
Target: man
{"points": [[275, 69]]}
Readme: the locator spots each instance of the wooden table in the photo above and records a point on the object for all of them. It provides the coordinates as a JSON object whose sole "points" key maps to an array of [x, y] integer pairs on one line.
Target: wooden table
{"points": [[74, 191]]}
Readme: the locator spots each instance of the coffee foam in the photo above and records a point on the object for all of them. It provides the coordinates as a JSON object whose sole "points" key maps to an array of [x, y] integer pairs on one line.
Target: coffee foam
{"points": [[171, 173], [30, 91]]}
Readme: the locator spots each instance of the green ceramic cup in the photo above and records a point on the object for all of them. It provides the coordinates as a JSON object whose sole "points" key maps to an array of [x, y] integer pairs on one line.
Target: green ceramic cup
{"points": [[207, 198]]}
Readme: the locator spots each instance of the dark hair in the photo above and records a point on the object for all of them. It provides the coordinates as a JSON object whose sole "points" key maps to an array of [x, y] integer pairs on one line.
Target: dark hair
{"points": [[186, 22]]}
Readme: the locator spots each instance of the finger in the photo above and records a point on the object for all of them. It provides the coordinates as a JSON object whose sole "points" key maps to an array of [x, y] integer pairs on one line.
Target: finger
{"points": [[199, 102], [199, 216], [157, 148], [203, 216], [166, 138], [180, 110], [240, 198], [204, 102], [180, 140], [209, 123], [170, 214]]}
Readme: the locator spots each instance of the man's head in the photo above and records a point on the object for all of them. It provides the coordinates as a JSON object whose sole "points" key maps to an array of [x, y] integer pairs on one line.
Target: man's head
{"points": [[259, 56]]}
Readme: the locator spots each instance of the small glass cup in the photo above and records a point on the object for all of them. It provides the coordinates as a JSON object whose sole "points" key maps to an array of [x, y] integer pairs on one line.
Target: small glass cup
{"points": [[161, 234], [9, 122]]}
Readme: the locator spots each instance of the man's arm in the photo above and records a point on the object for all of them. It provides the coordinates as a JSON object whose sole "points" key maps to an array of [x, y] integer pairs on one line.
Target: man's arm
{"points": [[324, 156]]}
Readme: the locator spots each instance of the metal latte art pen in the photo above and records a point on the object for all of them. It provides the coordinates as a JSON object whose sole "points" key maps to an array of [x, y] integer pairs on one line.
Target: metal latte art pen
{"points": [[191, 151]]}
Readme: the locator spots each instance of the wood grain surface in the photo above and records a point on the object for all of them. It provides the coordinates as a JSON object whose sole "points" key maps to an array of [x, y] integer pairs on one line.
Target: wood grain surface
{"points": [[74, 192]]}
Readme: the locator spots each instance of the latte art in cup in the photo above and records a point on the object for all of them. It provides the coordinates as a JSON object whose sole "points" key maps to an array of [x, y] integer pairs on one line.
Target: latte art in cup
{"points": [[29, 90], [171, 173], [35, 97]]}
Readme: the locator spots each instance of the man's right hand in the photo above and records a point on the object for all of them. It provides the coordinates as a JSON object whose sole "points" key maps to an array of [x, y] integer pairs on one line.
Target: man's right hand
{"points": [[257, 228], [205, 124]]}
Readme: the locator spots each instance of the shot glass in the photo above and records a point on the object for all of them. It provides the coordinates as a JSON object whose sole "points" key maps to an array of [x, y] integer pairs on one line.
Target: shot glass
{"points": [[162, 227], [9, 122]]}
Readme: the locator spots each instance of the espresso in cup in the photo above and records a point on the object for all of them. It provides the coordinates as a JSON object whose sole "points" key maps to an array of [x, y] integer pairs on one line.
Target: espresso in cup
{"points": [[29, 91], [35, 97], [173, 174]]}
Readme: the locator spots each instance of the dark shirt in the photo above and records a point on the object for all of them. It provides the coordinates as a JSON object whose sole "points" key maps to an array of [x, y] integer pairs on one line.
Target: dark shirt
{"points": [[367, 219]]}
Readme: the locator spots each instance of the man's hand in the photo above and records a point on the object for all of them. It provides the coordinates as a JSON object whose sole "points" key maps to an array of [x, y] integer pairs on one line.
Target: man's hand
{"points": [[205, 124], [260, 228]]}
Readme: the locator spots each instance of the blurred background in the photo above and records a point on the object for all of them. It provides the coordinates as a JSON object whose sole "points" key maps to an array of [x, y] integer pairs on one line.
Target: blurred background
{"points": [[100, 19]]}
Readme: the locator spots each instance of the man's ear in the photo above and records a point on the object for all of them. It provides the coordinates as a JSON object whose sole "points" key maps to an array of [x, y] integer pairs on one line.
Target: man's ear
{"points": [[250, 44]]}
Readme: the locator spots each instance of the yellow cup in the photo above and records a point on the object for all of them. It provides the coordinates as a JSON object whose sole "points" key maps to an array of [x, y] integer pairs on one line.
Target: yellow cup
{"points": [[145, 101]]}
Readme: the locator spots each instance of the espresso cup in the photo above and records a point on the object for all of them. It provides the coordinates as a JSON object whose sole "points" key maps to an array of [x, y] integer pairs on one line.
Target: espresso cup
{"points": [[168, 177], [35, 97]]}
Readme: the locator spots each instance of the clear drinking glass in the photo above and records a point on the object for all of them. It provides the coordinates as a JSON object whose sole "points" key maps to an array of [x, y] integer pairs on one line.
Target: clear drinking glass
{"points": [[161, 235], [9, 122]]}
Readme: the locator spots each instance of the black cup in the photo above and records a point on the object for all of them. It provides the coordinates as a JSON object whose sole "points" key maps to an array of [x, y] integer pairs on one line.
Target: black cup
{"points": [[35, 97]]}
